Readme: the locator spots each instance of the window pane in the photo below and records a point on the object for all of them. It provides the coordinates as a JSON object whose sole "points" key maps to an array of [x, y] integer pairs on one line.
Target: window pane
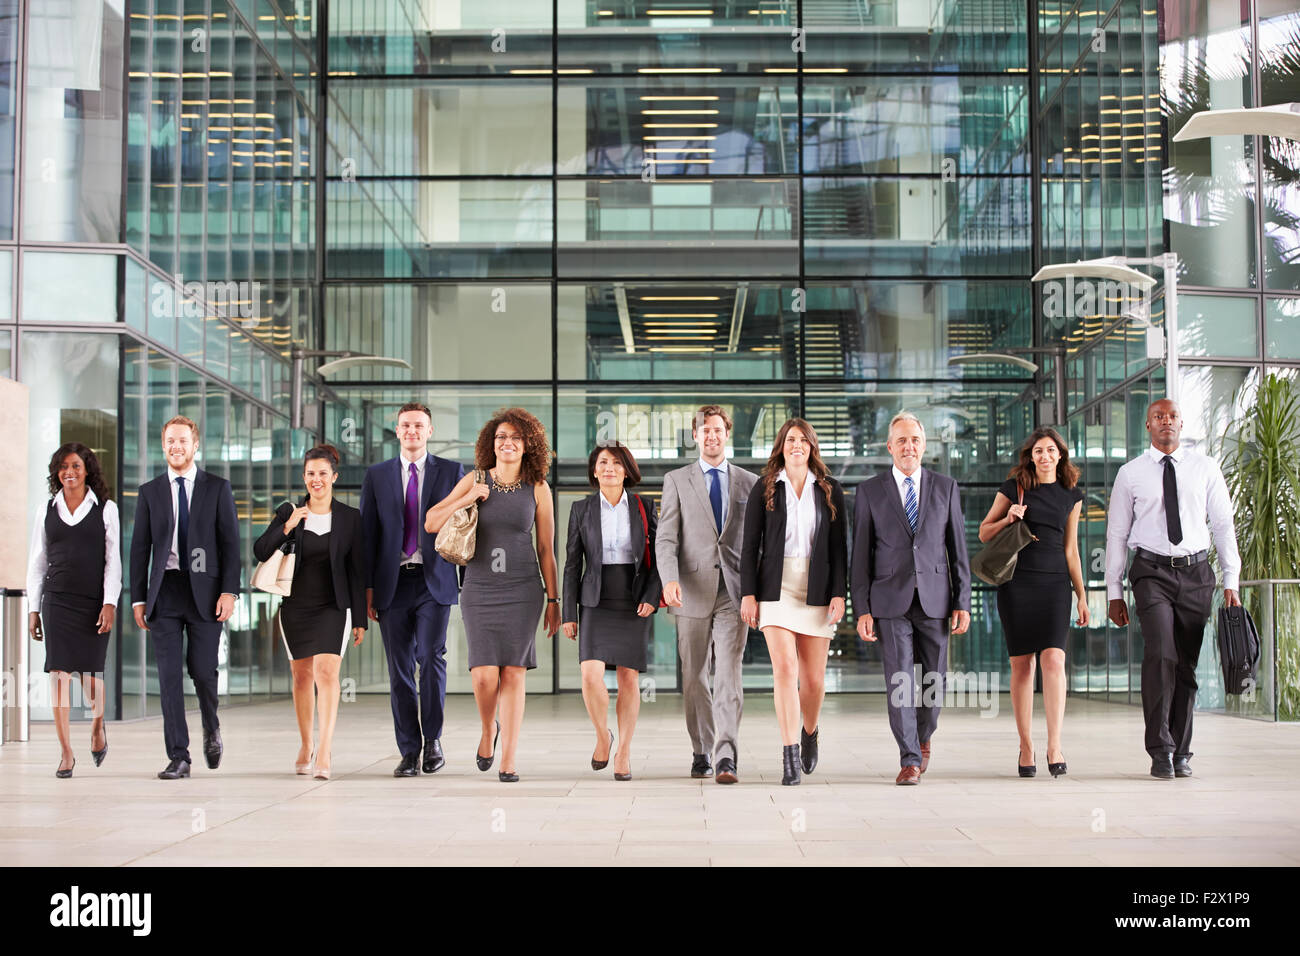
{"points": [[69, 287], [1217, 325], [1282, 327]]}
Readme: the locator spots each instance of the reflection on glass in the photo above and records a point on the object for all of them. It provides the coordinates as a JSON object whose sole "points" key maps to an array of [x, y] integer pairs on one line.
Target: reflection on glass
{"points": [[69, 287], [1223, 326]]}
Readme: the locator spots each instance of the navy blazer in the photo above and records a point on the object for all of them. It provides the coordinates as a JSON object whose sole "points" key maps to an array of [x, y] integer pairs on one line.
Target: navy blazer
{"points": [[213, 561], [586, 545], [890, 564], [383, 501], [346, 558]]}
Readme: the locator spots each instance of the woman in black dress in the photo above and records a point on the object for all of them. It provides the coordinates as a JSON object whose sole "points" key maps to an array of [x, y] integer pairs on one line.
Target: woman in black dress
{"points": [[74, 579], [1035, 604], [612, 533], [327, 599]]}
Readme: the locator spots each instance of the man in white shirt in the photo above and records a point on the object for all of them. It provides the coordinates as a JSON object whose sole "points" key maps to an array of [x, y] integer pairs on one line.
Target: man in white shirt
{"points": [[1158, 509], [697, 545]]}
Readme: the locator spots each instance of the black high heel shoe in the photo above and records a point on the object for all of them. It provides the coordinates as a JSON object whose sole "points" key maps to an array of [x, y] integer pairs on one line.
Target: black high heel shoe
{"points": [[485, 763], [507, 776], [1056, 769], [602, 764], [65, 774], [99, 755], [1024, 771], [808, 748], [790, 775]]}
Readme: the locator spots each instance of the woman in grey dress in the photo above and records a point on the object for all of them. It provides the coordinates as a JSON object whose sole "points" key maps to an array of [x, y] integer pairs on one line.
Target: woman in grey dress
{"points": [[612, 533], [501, 599]]}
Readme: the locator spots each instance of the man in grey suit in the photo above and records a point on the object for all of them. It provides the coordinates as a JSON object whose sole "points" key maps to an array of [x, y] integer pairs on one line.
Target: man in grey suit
{"points": [[911, 578], [701, 526]]}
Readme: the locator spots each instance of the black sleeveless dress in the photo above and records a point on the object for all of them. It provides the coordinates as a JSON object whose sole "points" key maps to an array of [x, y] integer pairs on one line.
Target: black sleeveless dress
{"points": [[311, 622], [74, 592], [1034, 606]]}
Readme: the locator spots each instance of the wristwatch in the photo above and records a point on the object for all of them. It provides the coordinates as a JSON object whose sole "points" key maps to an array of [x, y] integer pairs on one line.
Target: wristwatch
{"points": [[552, 600]]}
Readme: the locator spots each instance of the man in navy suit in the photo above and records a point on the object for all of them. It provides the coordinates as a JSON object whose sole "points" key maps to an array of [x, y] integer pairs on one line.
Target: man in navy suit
{"points": [[911, 579], [410, 589], [184, 578]]}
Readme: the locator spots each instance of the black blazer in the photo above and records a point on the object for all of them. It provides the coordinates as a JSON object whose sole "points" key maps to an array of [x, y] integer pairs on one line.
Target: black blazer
{"points": [[213, 542], [762, 555], [347, 556], [585, 545]]}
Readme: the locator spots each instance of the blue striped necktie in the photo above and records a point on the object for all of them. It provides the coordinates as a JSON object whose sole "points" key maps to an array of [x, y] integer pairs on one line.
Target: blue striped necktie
{"points": [[910, 503]]}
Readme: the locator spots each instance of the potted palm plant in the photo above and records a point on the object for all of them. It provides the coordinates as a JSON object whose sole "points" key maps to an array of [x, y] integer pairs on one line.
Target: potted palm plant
{"points": [[1261, 463]]}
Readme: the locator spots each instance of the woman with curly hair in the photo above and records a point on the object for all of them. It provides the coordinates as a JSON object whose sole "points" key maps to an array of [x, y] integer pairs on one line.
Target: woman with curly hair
{"points": [[501, 600], [1035, 604], [792, 581], [74, 579]]}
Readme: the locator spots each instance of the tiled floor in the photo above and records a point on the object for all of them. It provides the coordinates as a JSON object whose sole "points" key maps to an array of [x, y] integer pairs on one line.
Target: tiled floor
{"points": [[1241, 808]]}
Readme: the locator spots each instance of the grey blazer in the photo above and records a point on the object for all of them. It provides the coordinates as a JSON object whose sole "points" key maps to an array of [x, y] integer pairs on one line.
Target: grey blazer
{"points": [[689, 548], [890, 564]]}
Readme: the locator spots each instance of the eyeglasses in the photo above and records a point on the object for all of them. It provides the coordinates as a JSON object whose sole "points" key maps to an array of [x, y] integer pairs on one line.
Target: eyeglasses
{"points": [[499, 438]]}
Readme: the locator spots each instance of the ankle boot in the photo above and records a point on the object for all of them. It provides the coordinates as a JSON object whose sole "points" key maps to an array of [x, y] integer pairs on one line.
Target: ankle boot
{"points": [[790, 775]]}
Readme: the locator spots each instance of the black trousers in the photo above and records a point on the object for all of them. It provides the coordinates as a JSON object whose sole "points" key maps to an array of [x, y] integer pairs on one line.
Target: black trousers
{"points": [[1173, 605], [175, 619]]}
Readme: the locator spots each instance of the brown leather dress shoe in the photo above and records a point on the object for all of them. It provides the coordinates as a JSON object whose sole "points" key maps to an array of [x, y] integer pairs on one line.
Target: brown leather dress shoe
{"points": [[908, 777], [925, 755]]}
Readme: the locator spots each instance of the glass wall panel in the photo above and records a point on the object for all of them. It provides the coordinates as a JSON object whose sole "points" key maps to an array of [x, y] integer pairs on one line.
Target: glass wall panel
{"points": [[8, 111], [1282, 328], [1223, 326], [69, 287]]}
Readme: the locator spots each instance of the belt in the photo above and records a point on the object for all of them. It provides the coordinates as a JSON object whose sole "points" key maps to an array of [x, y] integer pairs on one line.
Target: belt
{"points": [[1170, 561], [411, 566]]}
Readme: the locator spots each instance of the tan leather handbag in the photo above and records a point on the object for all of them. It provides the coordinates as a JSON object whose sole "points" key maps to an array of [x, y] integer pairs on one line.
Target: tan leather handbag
{"points": [[275, 574], [456, 538]]}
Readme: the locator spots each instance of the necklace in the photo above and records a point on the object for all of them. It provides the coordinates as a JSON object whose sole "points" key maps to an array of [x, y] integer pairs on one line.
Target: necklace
{"points": [[508, 487]]}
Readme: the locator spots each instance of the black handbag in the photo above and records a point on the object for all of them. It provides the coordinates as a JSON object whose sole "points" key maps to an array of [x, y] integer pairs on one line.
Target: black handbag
{"points": [[995, 563], [1238, 649]]}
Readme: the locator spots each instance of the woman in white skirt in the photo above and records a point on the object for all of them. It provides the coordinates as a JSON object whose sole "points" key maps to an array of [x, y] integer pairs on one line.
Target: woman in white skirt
{"points": [[793, 568]]}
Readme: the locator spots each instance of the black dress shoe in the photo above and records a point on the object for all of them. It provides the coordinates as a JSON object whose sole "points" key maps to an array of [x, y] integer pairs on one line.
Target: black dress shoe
{"points": [[507, 776], [175, 770], [409, 767], [1022, 769], [700, 766], [433, 758], [1056, 769], [485, 763], [790, 761], [212, 749], [1162, 766], [726, 771], [99, 755], [602, 764], [1182, 765], [622, 776], [65, 774], [808, 748]]}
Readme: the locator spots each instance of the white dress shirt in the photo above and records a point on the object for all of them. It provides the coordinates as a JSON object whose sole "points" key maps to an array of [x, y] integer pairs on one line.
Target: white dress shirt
{"points": [[800, 516], [617, 546], [38, 562], [406, 463], [724, 481], [318, 524], [899, 477], [173, 560], [1137, 514]]}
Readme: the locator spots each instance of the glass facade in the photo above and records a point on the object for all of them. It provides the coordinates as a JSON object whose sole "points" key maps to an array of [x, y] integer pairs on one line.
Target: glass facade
{"points": [[612, 213]]}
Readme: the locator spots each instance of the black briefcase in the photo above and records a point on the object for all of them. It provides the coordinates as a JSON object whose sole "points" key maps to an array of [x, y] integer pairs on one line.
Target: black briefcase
{"points": [[1238, 649]]}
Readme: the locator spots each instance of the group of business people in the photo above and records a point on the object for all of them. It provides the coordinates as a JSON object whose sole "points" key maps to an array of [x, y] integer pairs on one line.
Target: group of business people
{"points": [[728, 551]]}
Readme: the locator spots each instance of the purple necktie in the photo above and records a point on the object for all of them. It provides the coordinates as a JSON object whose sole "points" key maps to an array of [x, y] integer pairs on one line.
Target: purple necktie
{"points": [[410, 514]]}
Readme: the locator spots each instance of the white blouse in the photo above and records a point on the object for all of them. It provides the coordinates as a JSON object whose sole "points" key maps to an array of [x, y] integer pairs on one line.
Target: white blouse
{"points": [[800, 516], [616, 532], [318, 524], [38, 561]]}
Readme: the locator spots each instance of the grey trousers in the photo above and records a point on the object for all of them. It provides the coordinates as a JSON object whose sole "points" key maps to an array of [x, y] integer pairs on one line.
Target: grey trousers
{"points": [[913, 709], [713, 718]]}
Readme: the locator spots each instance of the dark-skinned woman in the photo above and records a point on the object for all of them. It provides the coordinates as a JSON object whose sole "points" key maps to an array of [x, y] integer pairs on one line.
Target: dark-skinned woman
{"points": [[74, 579]]}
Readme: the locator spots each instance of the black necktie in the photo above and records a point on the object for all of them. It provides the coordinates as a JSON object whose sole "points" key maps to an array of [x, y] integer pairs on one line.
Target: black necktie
{"points": [[1172, 522], [182, 526]]}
